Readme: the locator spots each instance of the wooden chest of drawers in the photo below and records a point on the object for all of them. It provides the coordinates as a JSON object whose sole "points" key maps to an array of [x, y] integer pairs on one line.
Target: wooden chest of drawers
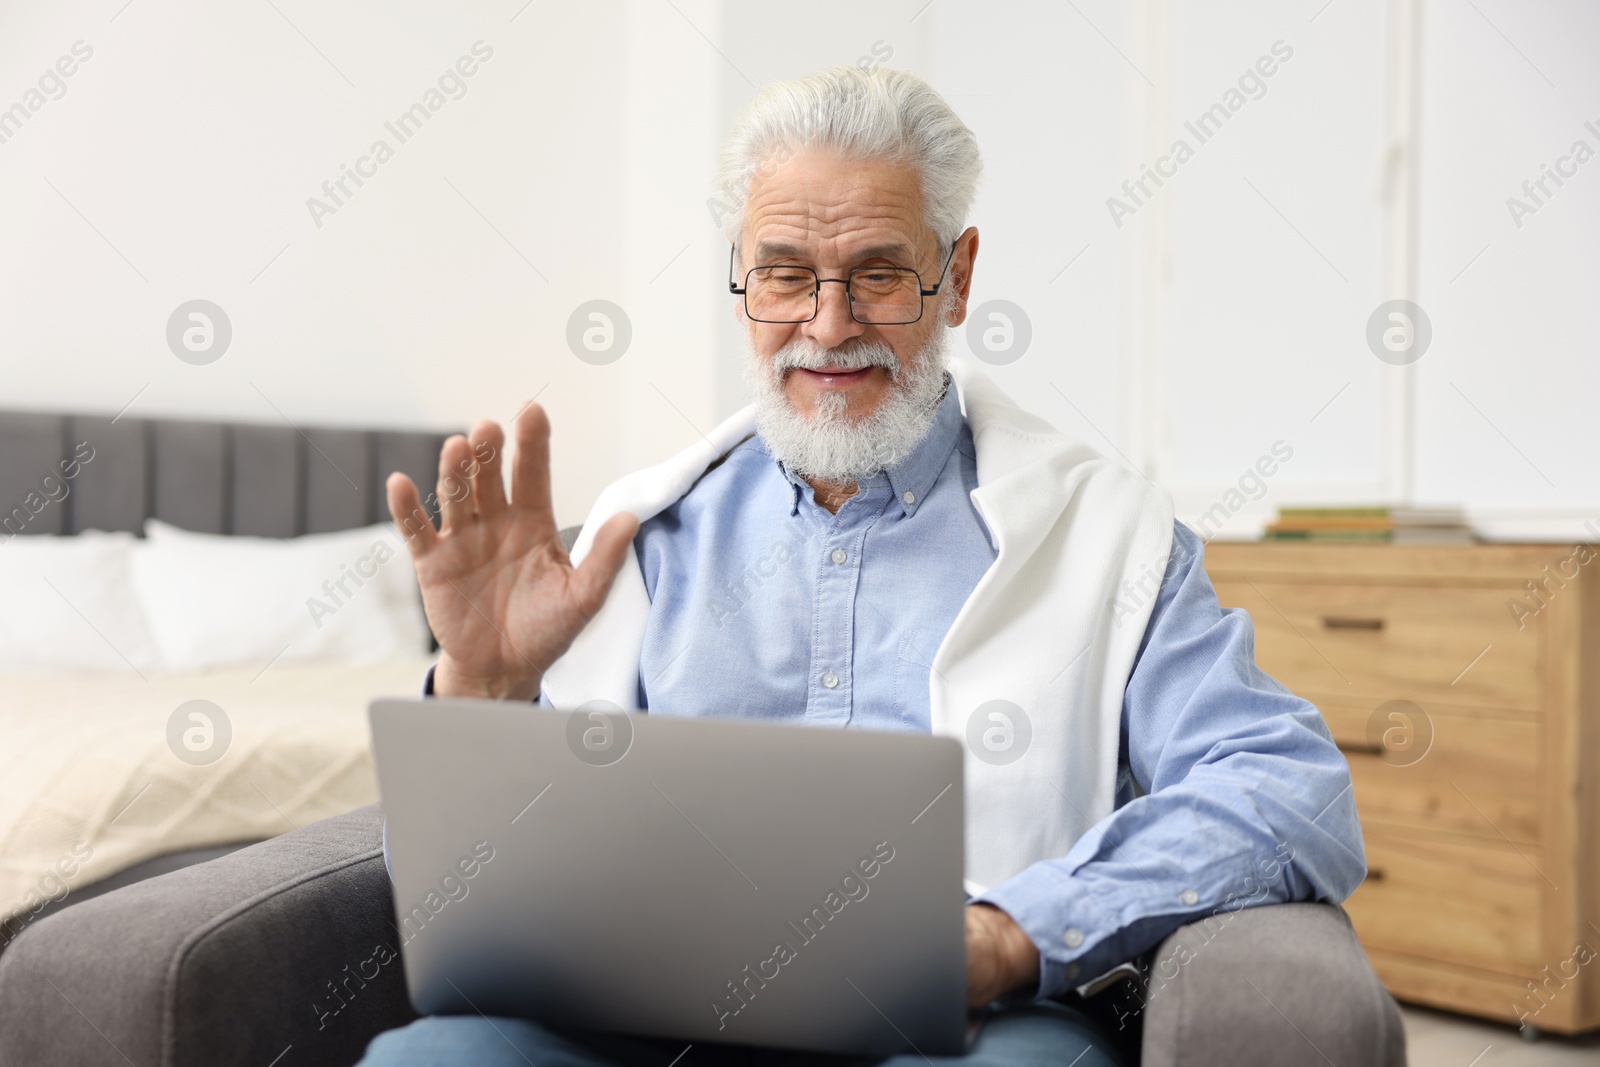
{"points": [[1472, 727]]}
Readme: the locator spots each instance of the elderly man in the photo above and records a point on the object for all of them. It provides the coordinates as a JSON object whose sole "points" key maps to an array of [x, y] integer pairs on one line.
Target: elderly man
{"points": [[884, 540]]}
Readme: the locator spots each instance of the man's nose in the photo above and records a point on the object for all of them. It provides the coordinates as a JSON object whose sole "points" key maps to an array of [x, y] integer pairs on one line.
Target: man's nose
{"points": [[833, 324]]}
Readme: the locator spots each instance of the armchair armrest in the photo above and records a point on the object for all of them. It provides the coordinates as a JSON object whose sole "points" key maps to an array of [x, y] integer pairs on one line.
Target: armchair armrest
{"points": [[290, 942]]}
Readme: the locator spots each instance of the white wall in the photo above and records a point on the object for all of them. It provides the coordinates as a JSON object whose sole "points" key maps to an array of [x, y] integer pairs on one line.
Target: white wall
{"points": [[1053, 107], [1506, 412], [1186, 341], [194, 135], [1274, 258]]}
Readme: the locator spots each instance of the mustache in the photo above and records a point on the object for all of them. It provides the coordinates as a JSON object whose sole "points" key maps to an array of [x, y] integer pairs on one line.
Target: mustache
{"points": [[809, 355]]}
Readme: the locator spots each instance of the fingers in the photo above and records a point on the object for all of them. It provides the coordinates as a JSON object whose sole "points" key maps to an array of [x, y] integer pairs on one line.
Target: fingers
{"points": [[595, 574], [470, 484], [488, 491], [453, 490], [405, 507], [530, 467]]}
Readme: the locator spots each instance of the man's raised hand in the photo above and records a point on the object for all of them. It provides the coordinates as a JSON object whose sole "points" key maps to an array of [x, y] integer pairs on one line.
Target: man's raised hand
{"points": [[501, 595]]}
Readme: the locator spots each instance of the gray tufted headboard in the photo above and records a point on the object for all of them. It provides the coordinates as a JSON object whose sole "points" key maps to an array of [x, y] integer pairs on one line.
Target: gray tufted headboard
{"points": [[213, 477]]}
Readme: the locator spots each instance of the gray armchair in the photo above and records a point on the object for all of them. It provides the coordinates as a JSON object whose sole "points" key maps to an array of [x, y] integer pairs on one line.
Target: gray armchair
{"points": [[283, 945], [285, 954]]}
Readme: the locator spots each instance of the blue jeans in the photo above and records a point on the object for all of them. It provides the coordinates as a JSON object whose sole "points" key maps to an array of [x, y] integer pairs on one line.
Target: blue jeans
{"points": [[1045, 1034]]}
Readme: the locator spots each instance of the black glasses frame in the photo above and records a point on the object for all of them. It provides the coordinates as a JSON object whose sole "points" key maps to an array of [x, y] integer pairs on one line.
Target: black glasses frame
{"points": [[816, 292]]}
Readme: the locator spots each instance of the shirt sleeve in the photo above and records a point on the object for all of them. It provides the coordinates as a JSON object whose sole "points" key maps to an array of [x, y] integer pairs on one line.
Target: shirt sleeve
{"points": [[1238, 797]]}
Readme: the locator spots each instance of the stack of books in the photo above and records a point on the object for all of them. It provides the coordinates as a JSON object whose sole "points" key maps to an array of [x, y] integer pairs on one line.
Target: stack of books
{"points": [[1397, 525]]}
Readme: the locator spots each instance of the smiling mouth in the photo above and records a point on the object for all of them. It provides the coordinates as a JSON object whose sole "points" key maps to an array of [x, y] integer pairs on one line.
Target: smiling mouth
{"points": [[835, 375]]}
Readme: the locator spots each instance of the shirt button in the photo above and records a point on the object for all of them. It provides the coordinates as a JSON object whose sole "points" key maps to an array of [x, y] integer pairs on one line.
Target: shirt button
{"points": [[1190, 897], [1073, 970], [840, 555], [830, 680], [909, 497], [1073, 937]]}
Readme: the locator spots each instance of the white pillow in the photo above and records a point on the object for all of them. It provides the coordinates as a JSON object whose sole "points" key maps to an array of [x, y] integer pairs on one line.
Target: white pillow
{"points": [[217, 599], [68, 602]]}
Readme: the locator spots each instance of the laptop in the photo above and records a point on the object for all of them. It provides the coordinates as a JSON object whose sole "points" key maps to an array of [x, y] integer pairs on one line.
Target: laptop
{"points": [[706, 880]]}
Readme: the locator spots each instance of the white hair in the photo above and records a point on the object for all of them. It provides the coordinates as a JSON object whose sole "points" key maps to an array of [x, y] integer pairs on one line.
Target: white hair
{"points": [[861, 114], [832, 443]]}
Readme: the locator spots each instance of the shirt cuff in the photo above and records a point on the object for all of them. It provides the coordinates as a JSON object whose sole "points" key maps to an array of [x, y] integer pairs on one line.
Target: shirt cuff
{"points": [[1066, 926], [427, 689]]}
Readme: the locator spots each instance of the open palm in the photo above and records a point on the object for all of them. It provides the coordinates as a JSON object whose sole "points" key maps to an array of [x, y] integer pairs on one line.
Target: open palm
{"points": [[501, 595]]}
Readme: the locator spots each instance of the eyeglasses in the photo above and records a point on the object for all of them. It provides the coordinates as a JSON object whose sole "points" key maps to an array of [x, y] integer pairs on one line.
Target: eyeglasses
{"points": [[877, 296]]}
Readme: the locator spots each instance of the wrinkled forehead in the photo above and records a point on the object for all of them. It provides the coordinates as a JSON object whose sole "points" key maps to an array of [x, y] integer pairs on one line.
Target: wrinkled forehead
{"points": [[829, 208]]}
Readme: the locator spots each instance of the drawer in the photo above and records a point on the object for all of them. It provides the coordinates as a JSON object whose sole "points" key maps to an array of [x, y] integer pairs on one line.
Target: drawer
{"points": [[1420, 643], [1479, 775], [1486, 993], [1475, 905]]}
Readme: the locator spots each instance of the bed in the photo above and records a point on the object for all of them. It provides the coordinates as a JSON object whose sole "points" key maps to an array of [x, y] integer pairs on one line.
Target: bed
{"points": [[223, 530]]}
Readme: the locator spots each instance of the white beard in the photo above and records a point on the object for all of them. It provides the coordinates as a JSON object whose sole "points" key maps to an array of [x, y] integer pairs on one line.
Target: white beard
{"points": [[830, 444]]}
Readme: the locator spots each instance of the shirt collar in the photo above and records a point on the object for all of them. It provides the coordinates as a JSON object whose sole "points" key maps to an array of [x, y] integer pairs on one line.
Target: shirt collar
{"points": [[912, 478]]}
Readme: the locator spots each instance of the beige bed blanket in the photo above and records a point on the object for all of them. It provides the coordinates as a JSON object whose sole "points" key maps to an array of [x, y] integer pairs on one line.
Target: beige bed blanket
{"points": [[89, 785]]}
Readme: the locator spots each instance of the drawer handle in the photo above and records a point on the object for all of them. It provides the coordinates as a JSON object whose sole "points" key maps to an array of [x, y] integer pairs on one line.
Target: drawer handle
{"points": [[1347, 622], [1365, 748], [1376, 874]]}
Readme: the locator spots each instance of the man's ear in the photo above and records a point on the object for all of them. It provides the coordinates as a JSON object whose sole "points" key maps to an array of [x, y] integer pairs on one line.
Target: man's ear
{"points": [[961, 266]]}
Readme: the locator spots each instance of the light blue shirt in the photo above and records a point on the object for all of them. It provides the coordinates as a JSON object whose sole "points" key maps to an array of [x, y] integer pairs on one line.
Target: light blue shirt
{"points": [[765, 605], [1230, 793]]}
